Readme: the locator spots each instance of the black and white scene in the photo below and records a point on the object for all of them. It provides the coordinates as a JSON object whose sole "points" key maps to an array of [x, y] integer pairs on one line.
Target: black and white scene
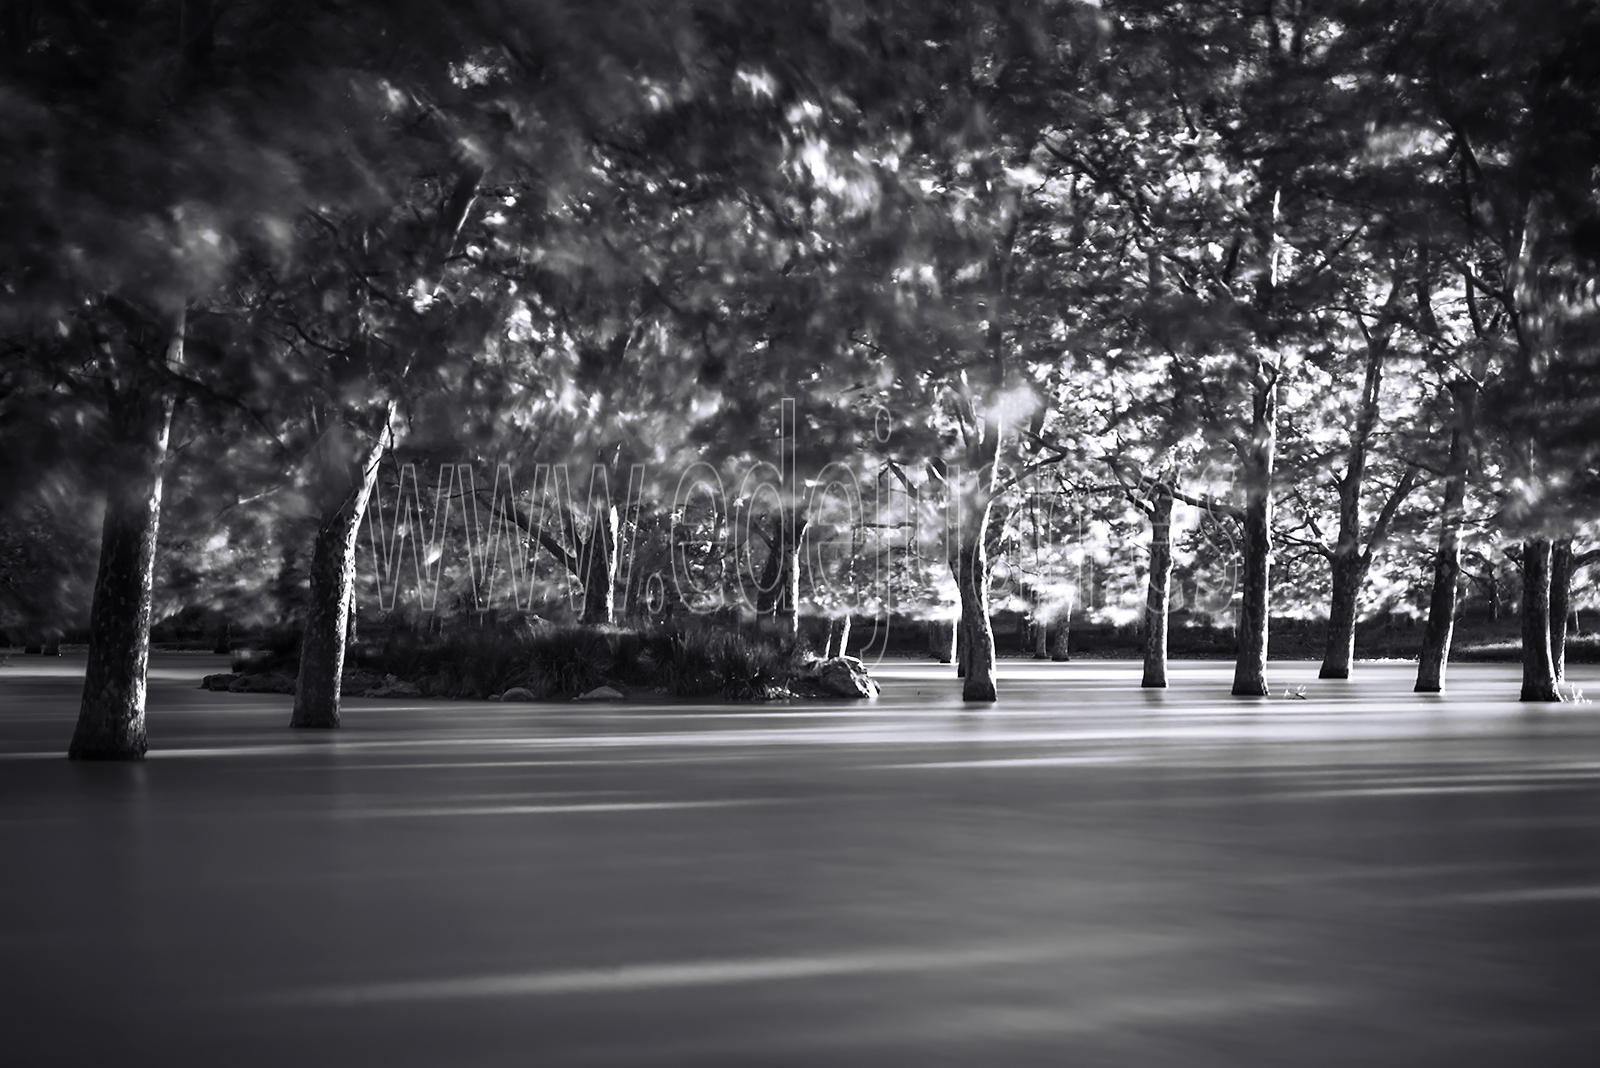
{"points": [[807, 533]]}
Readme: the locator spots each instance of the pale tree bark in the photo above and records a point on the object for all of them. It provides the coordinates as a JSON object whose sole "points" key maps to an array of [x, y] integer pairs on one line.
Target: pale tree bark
{"points": [[778, 593], [973, 488], [347, 470], [1158, 594], [598, 567], [1561, 568], [1258, 456], [111, 722], [793, 537], [838, 635], [1538, 665], [1436, 638]]}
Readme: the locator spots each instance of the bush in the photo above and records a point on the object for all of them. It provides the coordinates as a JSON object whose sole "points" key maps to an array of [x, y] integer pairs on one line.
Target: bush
{"points": [[734, 664], [694, 659], [463, 663]]}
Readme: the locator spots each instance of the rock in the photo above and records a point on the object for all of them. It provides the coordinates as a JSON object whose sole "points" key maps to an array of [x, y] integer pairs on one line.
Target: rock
{"points": [[517, 693], [601, 693], [841, 676], [494, 697], [392, 686], [220, 681]]}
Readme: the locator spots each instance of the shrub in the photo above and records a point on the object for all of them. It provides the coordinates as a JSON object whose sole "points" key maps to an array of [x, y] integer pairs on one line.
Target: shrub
{"points": [[734, 664]]}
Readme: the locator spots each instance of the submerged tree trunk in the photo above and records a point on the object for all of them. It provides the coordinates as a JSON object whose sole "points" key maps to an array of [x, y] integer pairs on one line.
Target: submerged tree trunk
{"points": [[1435, 655], [1349, 573], [1250, 668], [332, 578], [1061, 639], [1538, 666], [111, 716], [1560, 604], [1160, 589], [1351, 559], [978, 681]]}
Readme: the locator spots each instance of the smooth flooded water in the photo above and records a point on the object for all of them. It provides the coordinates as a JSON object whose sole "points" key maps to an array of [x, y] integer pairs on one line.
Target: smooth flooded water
{"points": [[1084, 873]]}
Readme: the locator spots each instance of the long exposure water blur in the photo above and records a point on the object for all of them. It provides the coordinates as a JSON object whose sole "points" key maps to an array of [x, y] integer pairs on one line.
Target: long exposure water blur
{"points": [[1082, 874]]}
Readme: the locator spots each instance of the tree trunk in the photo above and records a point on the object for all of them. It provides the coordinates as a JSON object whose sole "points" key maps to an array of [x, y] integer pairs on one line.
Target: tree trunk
{"points": [[1041, 632], [963, 646], [1349, 573], [978, 682], [942, 640], [1538, 667], [332, 585], [1250, 669], [1350, 560], [793, 536], [111, 717], [1435, 655], [838, 635], [1061, 641], [1560, 603], [1160, 589], [779, 591], [598, 557]]}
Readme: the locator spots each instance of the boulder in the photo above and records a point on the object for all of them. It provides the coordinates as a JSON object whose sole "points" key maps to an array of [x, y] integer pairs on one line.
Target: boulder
{"points": [[517, 693], [601, 693], [840, 676]]}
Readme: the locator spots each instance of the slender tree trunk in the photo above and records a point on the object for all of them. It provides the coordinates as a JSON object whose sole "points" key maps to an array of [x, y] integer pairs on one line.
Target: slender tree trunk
{"points": [[793, 536], [598, 558], [1435, 655], [1250, 669], [963, 645], [942, 640], [779, 592], [839, 635], [111, 716], [1160, 589], [1041, 630], [1560, 603], [332, 584], [1538, 666], [978, 683]]}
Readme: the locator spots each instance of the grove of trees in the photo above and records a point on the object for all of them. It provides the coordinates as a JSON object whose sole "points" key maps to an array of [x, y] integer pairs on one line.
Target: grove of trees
{"points": [[811, 307]]}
